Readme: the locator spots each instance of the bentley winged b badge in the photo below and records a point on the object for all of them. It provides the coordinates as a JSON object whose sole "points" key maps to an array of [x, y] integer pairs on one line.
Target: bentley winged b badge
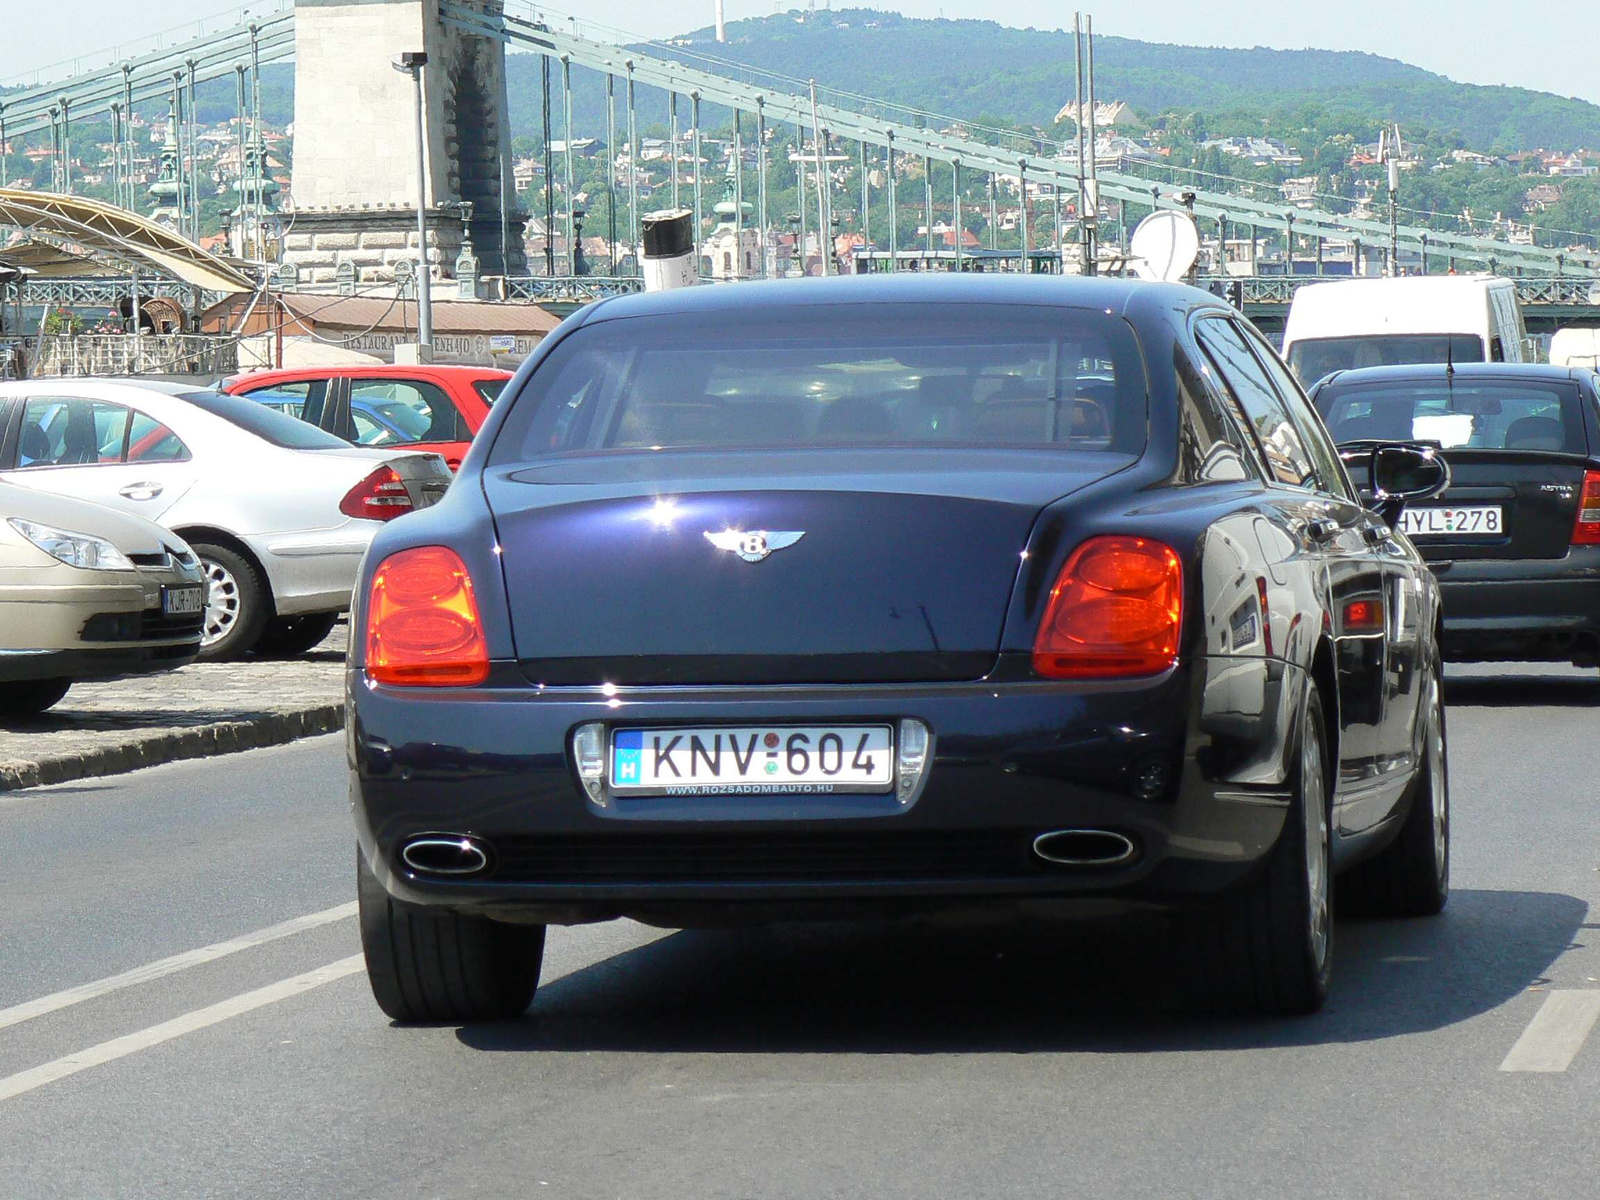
{"points": [[756, 544]]}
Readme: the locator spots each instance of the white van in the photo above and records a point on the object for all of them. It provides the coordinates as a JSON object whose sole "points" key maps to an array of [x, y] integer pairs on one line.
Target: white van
{"points": [[1416, 319], [1576, 348]]}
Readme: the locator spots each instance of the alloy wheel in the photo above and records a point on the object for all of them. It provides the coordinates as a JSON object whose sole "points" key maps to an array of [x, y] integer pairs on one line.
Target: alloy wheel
{"points": [[1439, 797], [1313, 803], [222, 602]]}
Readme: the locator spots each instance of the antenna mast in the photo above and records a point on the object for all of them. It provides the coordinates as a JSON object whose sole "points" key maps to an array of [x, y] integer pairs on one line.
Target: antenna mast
{"points": [[1390, 151]]}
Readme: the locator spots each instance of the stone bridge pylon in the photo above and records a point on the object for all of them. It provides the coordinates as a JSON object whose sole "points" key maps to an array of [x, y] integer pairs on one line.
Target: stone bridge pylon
{"points": [[355, 186]]}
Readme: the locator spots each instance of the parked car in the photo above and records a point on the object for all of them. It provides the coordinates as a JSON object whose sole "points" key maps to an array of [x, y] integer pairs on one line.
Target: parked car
{"points": [[1354, 323], [1576, 347], [279, 512], [437, 408], [1515, 541], [88, 593], [889, 595]]}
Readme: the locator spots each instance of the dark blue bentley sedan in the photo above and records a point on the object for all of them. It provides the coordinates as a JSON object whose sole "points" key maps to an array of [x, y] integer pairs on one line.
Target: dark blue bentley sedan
{"points": [[888, 596]]}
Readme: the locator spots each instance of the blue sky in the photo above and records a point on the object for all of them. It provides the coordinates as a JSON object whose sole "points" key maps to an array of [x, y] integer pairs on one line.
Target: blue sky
{"points": [[1476, 41]]}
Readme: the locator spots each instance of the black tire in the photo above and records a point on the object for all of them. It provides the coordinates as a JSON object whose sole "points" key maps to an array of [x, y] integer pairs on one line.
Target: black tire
{"points": [[238, 604], [1411, 876], [427, 965], [285, 637], [31, 697], [1269, 950]]}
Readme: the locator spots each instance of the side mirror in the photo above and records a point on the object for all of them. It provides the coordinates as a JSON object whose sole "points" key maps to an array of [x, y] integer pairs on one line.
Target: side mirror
{"points": [[1402, 473]]}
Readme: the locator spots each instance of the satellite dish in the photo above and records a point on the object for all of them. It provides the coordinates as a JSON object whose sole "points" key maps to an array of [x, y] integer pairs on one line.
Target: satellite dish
{"points": [[1594, 294], [1165, 246]]}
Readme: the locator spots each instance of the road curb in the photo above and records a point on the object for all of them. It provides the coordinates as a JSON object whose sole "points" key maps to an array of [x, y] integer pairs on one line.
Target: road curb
{"points": [[174, 745]]}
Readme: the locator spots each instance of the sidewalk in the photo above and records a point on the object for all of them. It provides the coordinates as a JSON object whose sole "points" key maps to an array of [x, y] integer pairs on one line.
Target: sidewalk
{"points": [[196, 712]]}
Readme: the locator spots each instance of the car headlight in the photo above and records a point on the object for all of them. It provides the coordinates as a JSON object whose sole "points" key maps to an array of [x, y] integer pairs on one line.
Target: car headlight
{"points": [[75, 549]]}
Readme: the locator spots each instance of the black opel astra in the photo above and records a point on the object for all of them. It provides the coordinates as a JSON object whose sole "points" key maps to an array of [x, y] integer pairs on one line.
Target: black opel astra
{"points": [[894, 596]]}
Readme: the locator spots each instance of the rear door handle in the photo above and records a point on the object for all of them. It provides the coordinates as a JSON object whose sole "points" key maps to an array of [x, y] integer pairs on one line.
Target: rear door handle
{"points": [[140, 491]]}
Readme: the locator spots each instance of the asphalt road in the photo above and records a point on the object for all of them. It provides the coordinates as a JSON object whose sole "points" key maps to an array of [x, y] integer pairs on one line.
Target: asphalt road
{"points": [[245, 1057]]}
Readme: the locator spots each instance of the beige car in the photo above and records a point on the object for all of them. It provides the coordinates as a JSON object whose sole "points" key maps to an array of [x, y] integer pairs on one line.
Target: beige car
{"points": [[87, 592]]}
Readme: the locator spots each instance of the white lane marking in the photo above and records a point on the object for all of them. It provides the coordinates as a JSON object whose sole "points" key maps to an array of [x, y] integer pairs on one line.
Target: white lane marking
{"points": [[1557, 1032], [201, 1018], [30, 1009]]}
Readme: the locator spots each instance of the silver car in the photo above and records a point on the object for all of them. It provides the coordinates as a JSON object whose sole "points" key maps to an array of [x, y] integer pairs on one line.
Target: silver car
{"points": [[278, 511], [88, 593]]}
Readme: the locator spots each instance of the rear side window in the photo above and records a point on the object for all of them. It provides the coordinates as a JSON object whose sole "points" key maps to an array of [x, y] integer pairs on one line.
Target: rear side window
{"points": [[489, 389], [151, 441], [301, 398], [847, 375], [1287, 459], [1481, 414], [400, 412], [265, 422]]}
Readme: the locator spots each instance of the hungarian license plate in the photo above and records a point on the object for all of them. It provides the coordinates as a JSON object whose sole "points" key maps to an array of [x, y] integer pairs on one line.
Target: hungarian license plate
{"points": [[752, 760], [1462, 520], [183, 601]]}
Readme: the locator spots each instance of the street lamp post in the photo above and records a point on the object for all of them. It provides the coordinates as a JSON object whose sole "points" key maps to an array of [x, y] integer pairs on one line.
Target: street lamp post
{"points": [[411, 63]]}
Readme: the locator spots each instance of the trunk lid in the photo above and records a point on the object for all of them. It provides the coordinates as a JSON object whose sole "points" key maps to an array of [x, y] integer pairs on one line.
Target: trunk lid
{"points": [[628, 569], [426, 476], [1537, 494]]}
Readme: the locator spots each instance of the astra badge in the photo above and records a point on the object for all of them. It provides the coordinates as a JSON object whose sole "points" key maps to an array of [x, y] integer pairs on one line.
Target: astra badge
{"points": [[756, 544]]}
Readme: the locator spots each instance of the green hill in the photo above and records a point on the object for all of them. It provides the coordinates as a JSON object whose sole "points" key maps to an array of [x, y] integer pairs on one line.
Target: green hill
{"points": [[972, 68]]}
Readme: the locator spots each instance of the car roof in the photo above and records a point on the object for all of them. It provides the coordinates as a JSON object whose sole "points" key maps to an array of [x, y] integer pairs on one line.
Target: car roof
{"points": [[1426, 372], [376, 370], [96, 387], [933, 287]]}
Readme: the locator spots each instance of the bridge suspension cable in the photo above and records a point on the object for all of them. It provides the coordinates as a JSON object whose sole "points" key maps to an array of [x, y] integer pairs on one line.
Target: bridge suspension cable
{"points": [[149, 77]]}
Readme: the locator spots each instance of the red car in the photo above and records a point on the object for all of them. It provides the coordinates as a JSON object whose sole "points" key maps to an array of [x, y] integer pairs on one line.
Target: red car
{"points": [[437, 408]]}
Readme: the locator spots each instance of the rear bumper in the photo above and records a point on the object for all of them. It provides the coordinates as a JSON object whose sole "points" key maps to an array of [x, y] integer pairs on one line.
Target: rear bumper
{"points": [[1530, 609], [314, 571], [1176, 765]]}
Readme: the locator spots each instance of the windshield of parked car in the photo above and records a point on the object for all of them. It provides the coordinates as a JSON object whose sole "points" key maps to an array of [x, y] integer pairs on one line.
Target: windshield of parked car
{"points": [[1481, 415], [860, 376], [265, 422], [1316, 358]]}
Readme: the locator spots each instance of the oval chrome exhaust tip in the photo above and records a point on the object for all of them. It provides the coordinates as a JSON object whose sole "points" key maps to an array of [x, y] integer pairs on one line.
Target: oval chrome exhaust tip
{"points": [[444, 854], [1084, 848]]}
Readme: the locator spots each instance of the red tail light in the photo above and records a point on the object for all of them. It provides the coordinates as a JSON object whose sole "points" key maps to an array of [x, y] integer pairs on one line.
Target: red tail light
{"points": [[381, 496], [1586, 529], [423, 628], [1116, 610]]}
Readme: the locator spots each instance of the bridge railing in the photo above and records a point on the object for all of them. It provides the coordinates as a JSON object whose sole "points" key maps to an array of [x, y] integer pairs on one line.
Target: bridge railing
{"points": [[572, 289], [121, 354]]}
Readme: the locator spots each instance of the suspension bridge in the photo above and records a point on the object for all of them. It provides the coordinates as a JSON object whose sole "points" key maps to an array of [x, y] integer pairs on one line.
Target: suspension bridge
{"points": [[1047, 176]]}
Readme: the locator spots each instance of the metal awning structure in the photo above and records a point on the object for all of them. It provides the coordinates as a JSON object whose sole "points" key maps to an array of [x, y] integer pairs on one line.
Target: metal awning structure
{"points": [[46, 260], [105, 231]]}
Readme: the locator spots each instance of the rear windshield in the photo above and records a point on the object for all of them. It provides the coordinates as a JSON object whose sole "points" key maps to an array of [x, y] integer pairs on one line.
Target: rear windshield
{"points": [[267, 423], [1316, 358], [1482, 415], [862, 376]]}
